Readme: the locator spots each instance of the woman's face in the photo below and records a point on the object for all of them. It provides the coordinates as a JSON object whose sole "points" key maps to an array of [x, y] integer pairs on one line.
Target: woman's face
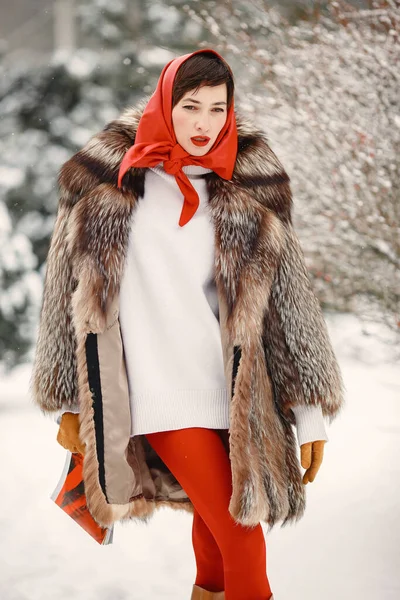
{"points": [[200, 114]]}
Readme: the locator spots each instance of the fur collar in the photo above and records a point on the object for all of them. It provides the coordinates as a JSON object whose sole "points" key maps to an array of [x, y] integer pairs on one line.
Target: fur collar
{"points": [[250, 212], [257, 169]]}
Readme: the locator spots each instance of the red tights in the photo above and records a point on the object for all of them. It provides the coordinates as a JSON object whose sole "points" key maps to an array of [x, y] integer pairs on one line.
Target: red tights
{"points": [[228, 556]]}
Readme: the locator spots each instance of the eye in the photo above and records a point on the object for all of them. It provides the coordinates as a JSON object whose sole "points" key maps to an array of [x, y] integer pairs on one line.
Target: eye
{"points": [[215, 109]]}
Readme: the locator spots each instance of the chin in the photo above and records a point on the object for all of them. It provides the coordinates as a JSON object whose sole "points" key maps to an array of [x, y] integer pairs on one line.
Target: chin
{"points": [[201, 153], [196, 150]]}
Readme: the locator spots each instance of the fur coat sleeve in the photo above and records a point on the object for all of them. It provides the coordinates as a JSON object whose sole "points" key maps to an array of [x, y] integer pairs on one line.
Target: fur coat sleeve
{"points": [[53, 380], [296, 334]]}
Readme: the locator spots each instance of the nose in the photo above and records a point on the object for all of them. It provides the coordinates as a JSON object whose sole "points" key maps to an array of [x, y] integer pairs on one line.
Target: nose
{"points": [[203, 125]]}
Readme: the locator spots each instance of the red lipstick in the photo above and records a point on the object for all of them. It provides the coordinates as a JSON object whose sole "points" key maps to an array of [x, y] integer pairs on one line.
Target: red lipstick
{"points": [[200, 140]]}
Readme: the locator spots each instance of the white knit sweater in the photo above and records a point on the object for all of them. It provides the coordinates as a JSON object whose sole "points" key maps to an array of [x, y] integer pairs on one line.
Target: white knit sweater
{"points": [[169, 317]]}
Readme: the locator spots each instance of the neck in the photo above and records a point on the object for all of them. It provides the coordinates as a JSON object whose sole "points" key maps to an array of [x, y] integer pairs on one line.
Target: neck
{"points": [[189, 170]]}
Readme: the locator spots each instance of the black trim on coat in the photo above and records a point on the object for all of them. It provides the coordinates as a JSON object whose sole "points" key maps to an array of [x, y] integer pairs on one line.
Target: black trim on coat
{"points": [[93, 370], [237, 354]]}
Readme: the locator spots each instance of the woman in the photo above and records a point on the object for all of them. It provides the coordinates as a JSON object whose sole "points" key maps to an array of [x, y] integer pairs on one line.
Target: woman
{"points": [[179, 322]]}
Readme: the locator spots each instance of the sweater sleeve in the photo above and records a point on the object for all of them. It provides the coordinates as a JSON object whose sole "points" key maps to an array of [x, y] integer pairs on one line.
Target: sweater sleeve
{"points": [[65, 408], [310, 425]]}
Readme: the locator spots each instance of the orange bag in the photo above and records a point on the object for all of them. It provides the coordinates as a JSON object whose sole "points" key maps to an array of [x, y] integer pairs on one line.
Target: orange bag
{"points": [[69, 495]]}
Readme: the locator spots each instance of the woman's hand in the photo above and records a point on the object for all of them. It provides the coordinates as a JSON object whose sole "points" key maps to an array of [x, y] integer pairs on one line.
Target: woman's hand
{"points": [[311, 458], [68, 433]]}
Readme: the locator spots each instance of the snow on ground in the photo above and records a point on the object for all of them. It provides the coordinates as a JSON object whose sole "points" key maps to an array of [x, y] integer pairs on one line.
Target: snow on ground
{"points": [[346, 547]]}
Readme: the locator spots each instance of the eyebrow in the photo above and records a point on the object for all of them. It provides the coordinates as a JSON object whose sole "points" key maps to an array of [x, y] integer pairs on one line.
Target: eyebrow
{"points": [[197, 102]]}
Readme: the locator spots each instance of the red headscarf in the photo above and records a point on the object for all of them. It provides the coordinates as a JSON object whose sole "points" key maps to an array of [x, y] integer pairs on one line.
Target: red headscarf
{"points": [[155, 141]]}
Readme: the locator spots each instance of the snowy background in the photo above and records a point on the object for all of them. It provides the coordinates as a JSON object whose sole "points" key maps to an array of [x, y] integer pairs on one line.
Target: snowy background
{"points": [[322, 80], [346, 546]]}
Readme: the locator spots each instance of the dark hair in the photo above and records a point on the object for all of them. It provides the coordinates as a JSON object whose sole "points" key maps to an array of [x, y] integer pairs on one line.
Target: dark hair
{"points": [[201, 69]]}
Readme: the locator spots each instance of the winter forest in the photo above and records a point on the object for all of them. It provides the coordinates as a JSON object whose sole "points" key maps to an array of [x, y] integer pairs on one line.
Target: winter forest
{"points": [[323, 80]]}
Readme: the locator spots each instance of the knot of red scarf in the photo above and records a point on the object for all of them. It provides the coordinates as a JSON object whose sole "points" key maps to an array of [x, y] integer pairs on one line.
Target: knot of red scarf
{"points": [[172, 166], [155, 141]]}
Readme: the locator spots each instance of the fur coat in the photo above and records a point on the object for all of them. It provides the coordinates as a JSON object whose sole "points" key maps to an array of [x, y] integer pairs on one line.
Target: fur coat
{"points": [[276, 348]]}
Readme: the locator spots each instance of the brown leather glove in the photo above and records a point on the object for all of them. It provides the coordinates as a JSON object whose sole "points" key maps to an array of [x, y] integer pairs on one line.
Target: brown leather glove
{"points": [[68, 433], [312, 454]]}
